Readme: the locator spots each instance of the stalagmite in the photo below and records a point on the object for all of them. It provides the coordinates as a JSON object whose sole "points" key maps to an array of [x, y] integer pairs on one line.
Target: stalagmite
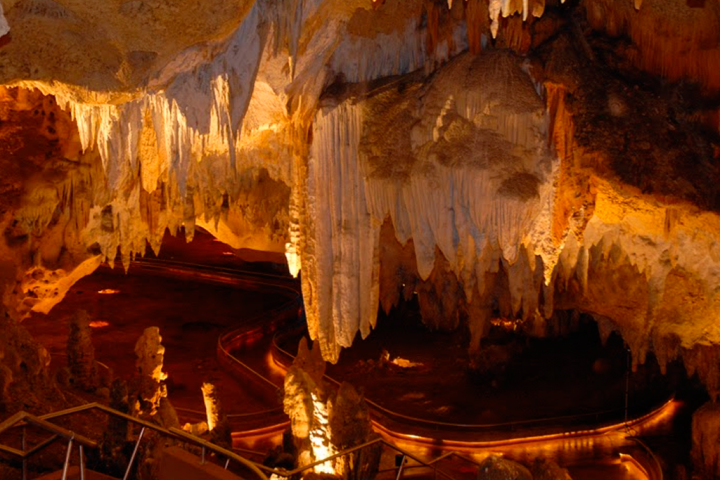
{"points": [[81, 353], [212, 404], [150, 380], [494, 11]]}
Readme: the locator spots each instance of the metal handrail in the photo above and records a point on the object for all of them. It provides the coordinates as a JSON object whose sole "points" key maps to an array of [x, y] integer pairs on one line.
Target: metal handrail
{"points": [[275, 312], [281, 282], [436, 423], [657, 473], [260, 470], [28, 418], [275, 282], [151, 262], [24, 417]]}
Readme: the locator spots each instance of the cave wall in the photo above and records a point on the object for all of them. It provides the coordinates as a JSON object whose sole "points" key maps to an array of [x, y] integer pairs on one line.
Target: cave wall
{"points": [[562, 163]]}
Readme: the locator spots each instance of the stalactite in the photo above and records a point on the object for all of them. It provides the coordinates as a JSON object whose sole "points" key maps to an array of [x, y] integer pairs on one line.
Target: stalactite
{"points": [[395, 52], [672, 38], [476, 15], [340, 258], [452, 211], [433, 25]]}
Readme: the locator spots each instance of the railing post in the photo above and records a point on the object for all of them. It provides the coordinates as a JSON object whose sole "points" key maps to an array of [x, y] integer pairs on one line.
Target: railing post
{"points": [[227, 463], [202, 459], [400, 467], [67, 456], [24, 460], [81, 459], [132, 457]]}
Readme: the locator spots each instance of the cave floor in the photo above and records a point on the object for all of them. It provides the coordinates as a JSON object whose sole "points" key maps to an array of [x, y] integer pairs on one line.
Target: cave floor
{"points": [[543, 379], [191, 315]]}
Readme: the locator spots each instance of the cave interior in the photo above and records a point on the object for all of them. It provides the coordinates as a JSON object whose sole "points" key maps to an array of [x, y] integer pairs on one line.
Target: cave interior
{"points": [[477, 212]]}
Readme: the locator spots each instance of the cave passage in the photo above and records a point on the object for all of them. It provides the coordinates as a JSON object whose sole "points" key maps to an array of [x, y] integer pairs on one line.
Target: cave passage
{"points": [[519, 384], [409, 369]]}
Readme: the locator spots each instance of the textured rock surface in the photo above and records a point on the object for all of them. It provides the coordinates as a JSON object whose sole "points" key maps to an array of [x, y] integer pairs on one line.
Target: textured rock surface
{"points": [[705, 437], [498, 468], [569, 161], [324, 420], [305, 402]]}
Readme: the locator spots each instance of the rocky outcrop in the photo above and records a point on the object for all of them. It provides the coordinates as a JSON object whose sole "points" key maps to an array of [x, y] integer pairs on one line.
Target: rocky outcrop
{"points": [[81, 353], [706, 440], [305, 402], [544, 469], [25, 380], [149, 383], [217, 421], [498, 468], [325, 422]]}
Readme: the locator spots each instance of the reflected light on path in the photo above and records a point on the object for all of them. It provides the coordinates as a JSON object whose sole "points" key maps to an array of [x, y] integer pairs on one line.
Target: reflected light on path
{"points": [[650, 420], [108, 291], [275, 367], [634, 469], [564, 448]]}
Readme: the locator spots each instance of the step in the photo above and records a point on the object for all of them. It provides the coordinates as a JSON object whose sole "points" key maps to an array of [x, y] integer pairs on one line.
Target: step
{"points": [[74, 474], [179, 464]]}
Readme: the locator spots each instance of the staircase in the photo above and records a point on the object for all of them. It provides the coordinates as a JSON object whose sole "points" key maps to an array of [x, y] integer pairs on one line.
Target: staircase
{"points": [[176, 463]]}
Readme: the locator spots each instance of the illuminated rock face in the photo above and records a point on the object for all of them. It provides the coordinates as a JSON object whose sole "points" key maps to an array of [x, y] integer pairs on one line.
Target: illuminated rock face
{"points": [[356, 138]]}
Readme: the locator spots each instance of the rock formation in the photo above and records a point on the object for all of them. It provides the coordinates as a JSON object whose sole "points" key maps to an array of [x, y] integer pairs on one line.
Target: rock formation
{"points": [[305, 402], [25, 380], [217, 422], [498, 468], [149, 383], [324, 421], [705, 437], [350, 426], [567, 160]]}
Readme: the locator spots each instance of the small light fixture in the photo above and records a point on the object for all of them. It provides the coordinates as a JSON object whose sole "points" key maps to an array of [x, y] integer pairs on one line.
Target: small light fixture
{"points": [[108, 291]]}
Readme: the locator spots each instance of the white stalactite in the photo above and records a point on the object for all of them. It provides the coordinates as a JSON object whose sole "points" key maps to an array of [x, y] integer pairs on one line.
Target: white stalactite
{"points": [[341, 254]]}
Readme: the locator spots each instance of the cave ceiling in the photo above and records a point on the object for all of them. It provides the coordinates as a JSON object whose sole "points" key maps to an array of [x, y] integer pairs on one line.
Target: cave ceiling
{"points": [[513, 158]]}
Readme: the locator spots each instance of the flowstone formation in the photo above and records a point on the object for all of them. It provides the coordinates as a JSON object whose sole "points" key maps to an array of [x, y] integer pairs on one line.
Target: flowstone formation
{"points": [[507, 158]]}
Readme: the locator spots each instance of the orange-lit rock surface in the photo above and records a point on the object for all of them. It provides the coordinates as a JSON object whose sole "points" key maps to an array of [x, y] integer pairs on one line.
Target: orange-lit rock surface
{"points": [[570, 160]]}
